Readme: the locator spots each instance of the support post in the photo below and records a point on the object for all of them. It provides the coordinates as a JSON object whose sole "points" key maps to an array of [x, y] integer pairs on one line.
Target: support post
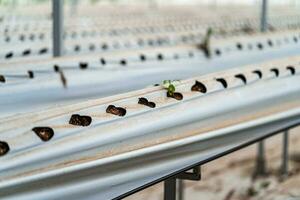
{"points": [[170, 185], [57, 12], [260, 160], [263, 17], [180, 189], [170, 189], [74, 8], [285, 153]]}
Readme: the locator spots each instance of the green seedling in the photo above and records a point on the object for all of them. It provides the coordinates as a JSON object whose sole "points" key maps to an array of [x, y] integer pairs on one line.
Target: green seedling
{"points": [[170, 86], [205, 45]]}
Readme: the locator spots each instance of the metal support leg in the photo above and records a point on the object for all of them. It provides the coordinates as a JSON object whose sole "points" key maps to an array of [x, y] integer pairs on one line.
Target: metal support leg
{"points": [[57, 7], [180, 189], [285, 154], [74, 8], [170, 186], [170, 189], [263, 18], [261, 160]]}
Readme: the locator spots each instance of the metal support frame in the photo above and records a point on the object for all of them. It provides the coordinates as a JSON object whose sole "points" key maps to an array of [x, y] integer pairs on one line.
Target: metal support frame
{"points": [[172, 192], [170, 189], [285, 153], [57, 12], [261, 160], [180, 189], [263, 17], [74, 8], [170, 185]]}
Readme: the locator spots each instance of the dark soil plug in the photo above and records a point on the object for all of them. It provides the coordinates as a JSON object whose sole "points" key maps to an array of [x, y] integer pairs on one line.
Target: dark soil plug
{"points": [[30, 74], [176, 95], [151, 104], [260, 46], [104, 47], [83, 65], [2, 79], [239, 46], [4, 148], [44, 133], [116, 110], [144, 101], [9, 55], [43, 51], [199, 87], [56, 68], [26, 52], [123, 62], [270, 43], [79, 120], [103, 61], [160, 56], [77, 48], [218, 52], [143, 57]]}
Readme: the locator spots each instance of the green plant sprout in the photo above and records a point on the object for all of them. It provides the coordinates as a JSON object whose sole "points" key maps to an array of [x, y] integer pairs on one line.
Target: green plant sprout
{"points": [[205, 45], [170, 86], [208, 35]]}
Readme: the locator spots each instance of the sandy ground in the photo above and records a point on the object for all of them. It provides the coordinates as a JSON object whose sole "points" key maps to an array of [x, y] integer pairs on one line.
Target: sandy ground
{"points": [[231, 177]]}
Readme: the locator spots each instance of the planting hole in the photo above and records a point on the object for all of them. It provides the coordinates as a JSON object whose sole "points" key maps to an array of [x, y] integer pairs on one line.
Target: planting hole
{"points": [[44, 133], [142, 57], [103, 61], [275, 71], [4, 148], [123, 62], [258, 73], [83, 65], [2, 79], [116, 110], [291, 69], [26, 52], [222, 81], [9, 55], [199, 87], [176, 95], [80, 120], [144, 101], [30, 74], [241, 77], [160, 56], [43, 50]]}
